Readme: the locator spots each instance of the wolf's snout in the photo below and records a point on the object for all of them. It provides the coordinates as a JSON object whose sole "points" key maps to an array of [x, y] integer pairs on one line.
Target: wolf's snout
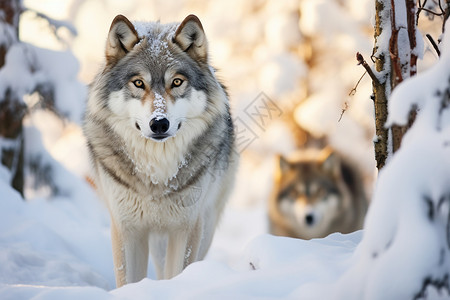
{"points": [[159, 126], [309, 218]]}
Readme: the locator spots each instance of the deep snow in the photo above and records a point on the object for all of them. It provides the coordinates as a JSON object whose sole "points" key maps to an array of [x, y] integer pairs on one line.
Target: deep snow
{"points": [[61, 250]]}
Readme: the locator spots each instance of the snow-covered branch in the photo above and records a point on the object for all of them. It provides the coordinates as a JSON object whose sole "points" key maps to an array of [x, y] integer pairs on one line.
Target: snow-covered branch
{"points": [[56, 24]]}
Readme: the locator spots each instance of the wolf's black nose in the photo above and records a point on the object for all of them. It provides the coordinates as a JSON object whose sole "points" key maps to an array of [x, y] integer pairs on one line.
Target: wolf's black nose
{"points": [[159, 126], [309, 219]]}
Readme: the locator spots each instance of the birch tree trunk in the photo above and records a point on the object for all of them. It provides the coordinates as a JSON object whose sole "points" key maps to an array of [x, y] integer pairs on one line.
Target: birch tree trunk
{"points": [[395, 53]]}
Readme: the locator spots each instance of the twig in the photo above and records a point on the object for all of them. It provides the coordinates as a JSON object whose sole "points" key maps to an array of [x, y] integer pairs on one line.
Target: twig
{"points": [[441, 8], [431, 12], [343, 111], [353, 91], [419, 9], [362, 61], [433, 43], [421, 6]]}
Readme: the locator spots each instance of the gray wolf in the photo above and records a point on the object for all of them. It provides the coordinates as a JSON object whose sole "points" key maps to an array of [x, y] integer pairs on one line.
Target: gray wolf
{"points": [[162, 145], [316, 192]]}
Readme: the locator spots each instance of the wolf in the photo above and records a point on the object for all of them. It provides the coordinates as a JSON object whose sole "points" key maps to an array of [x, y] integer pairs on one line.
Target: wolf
{"points": [[162, 145], [316, 192]]}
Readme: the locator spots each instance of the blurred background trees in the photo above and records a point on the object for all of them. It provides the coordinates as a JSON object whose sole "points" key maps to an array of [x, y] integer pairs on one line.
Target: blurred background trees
{"points": [[31, 78], [12, 108]]}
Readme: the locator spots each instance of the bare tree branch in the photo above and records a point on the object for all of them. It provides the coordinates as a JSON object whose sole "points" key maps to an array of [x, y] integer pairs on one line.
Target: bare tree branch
{"points": [[433, 43], [353, 90], [362, 61]]}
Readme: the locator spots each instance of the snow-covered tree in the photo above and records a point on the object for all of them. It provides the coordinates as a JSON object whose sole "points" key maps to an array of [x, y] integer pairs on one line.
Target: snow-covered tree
{"points": [[398, 45], [405, 251], [24, 70], [12, 110]]}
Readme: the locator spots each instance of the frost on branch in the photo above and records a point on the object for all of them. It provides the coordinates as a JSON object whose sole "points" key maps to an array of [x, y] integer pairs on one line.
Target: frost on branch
{"points": [[405, 252]]}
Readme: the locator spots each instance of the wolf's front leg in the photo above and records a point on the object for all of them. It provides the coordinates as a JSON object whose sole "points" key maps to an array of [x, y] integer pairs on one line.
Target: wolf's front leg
{"points": [[130, 254], [158, 248], [194, 243], [176, 253]]}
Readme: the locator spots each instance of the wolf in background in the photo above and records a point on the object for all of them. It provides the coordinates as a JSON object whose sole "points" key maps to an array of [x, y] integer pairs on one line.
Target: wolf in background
{"points": [[316, 192], [162, 145]]}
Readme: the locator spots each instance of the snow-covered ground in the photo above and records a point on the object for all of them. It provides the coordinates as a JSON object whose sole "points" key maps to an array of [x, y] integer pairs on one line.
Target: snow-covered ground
{"points": [[61, 250], [58, 246]]}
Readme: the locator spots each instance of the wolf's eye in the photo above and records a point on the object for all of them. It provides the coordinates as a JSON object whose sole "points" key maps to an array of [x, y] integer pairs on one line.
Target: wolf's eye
{"points": [[138, 83], [177, 82]]}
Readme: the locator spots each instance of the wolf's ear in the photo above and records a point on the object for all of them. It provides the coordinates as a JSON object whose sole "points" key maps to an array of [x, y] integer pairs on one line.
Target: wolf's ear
{"points": [[331, 163], [121, 39], [192, 39], [282, 164]]}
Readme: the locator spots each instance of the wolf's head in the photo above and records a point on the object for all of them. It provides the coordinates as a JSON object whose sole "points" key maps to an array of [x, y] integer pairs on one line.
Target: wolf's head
{"points": [[312, 191], [157, 79]]}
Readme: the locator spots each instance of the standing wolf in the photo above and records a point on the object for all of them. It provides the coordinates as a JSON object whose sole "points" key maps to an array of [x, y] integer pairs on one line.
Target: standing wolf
{"points": [[161, 141]]}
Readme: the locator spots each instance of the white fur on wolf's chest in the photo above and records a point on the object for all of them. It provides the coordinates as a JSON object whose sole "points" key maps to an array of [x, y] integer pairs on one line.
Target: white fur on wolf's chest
{"points": [[155, 165], [160, 212]]}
